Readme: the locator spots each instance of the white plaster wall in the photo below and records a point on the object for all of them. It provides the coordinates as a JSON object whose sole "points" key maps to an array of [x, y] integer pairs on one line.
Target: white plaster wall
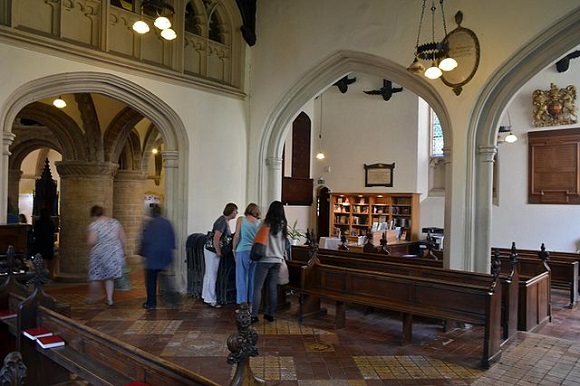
{"points": [[215, 124], [296, 37], [359, 129], [514, 219]]}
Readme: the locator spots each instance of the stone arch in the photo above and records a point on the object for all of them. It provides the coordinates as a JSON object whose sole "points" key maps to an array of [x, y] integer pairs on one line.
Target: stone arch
{"points": [[64, 128], [93, 135], [312, 84], [116, 134], [167, 121], [540, 52], [30, 139], [130, 158]]}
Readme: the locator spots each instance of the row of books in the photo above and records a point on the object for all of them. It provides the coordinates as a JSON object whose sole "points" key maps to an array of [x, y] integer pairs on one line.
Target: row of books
{"points": [[43, 337]]}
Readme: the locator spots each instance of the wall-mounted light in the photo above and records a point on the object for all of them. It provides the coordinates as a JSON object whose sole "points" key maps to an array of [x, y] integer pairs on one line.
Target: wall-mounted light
{"points": [[59, 102]]}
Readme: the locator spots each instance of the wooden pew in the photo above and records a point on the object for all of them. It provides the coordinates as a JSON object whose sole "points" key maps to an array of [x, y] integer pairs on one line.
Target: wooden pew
{"points": [[534, 299], [300, 253], [429, 268], [104, 360], [564, 269], [477, 304]]}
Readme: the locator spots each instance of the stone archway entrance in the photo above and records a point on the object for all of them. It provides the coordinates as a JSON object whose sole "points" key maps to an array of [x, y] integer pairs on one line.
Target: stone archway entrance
{"points": [[103, 166]]}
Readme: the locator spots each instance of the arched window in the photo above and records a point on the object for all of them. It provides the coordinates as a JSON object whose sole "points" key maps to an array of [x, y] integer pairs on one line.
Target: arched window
{"points": [[436, 159]]}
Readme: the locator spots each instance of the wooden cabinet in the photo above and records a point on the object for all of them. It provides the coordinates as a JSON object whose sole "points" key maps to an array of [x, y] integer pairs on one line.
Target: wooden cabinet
{"points": [[353, 214]]}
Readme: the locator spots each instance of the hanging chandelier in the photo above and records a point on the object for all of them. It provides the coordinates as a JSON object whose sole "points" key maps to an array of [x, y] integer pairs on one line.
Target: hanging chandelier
{"points": [[162, 11], [436, 53]]}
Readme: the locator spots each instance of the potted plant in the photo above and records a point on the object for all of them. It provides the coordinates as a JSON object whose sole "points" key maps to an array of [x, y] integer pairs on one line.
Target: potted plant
{"points": [[294, 233]]}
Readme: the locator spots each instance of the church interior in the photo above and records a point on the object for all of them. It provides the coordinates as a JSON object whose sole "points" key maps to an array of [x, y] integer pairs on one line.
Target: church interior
{"points": [[247, 101]]}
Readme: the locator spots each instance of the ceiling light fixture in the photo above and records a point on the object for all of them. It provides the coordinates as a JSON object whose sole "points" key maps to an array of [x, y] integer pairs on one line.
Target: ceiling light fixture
{"points": [[320, 154], [511, 137], [59, 102], [435, 52], [162, 12]]}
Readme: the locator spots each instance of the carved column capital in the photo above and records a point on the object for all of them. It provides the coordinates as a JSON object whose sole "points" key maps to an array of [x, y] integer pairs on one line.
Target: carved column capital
{"points": [[170, 158], [7, 139], [86, 169], [487, 153], [274, 163]]}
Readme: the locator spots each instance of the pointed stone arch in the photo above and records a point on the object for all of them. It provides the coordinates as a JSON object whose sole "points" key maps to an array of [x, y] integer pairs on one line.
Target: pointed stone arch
{"points": [[116, 134], [540, 52], [167, 121], [313, 83]]}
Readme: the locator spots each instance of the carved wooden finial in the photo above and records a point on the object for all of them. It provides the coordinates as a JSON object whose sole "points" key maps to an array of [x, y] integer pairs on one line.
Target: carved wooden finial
{"points": [[14, 371], [242, 346]]}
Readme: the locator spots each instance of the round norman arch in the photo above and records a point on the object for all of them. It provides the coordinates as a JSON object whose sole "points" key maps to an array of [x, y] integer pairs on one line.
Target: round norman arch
{"points": [[169, 124], [543, 50]]}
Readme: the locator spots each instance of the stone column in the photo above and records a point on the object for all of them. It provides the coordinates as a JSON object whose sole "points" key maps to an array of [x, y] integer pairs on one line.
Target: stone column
{"points": [[14, 177], [82, 185], [128, 208], [7, 139], [274, 165], [483, 199]]}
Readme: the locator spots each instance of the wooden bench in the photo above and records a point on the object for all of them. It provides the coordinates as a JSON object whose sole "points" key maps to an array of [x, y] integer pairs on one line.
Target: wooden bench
{"points": [[477, 304], [429, 268], [564, 270], [301, 253], [104, 360], [564, 267]]}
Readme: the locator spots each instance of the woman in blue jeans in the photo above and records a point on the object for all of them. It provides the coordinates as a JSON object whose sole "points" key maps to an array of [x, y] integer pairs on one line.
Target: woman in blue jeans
{"points": [[246, 228], [268, 267]]}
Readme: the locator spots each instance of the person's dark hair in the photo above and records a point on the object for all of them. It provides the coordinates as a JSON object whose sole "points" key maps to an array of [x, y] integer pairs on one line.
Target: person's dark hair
{"points": [[97, 211], [229, 209], [276, 219], [252, 210], [22, 218], [155, 211]]}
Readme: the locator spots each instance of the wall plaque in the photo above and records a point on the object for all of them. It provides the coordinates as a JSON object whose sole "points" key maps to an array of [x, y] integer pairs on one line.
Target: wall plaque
{"points": [[379, 174]]}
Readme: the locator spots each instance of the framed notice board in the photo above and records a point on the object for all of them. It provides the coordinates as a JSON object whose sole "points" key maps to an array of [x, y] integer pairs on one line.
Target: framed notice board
{"points": [[379, 174]]}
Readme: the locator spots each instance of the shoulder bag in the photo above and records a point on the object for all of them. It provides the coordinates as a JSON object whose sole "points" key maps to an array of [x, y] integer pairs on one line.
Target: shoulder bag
{"points": [[225, 241], [260, 243]]}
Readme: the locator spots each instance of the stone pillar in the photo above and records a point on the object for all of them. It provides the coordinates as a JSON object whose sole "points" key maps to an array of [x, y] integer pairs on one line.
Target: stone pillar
{"points": [[128, 208], [82, 185], [7, 139], [14, 177], [481, 260], [274, 165]]}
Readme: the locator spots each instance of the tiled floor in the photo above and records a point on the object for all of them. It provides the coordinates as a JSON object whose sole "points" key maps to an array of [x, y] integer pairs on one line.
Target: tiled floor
{"points": [[366, 352]]}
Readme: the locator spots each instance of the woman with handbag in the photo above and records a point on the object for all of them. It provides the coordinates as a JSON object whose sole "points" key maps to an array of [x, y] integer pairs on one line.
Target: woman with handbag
{"points": [[268, 266], [246, 229], [220, 229]]}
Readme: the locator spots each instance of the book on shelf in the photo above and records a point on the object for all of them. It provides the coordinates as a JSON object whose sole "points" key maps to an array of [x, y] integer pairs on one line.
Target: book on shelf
{"points": [[7, 314], [36, 332], [50, 341]]}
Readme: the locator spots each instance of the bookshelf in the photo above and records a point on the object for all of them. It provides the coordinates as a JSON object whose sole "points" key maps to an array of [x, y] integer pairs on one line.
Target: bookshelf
{"points": [[353, 214]]}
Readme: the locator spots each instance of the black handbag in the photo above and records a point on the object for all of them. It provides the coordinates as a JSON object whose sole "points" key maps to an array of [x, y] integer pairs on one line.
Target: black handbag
{"points": [[225, 243]]}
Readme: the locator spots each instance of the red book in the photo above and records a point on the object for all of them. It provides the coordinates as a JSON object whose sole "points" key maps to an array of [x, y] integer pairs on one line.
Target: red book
{"points": [[7, 314], [36, 332], [50, 341]]}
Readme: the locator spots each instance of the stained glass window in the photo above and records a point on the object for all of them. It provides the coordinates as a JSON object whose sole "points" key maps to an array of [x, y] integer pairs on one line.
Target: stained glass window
{"points": [[436, 136]]}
